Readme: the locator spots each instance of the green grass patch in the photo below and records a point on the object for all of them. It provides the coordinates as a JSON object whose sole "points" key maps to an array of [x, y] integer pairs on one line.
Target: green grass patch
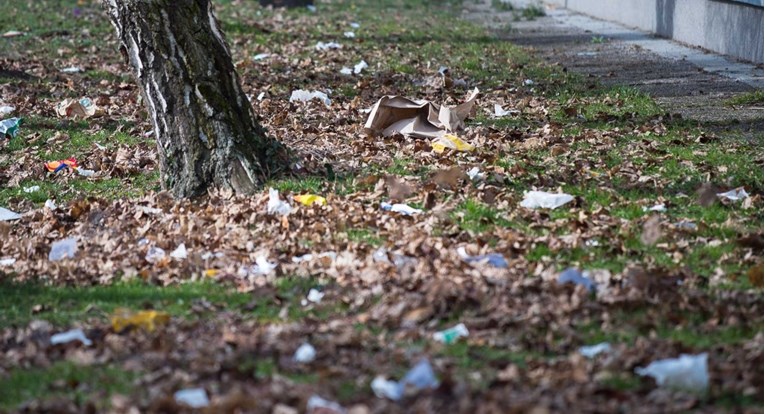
{"points": [[748, 98], [78, 383]]}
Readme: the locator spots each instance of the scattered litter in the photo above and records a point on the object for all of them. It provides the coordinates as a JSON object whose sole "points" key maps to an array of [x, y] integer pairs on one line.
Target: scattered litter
{"points": [[6, 110], [261, 56], [8, 261], [192, 397], [475, 174], [276, 205], [263, 266], [7, 215], [148, 320], [494, 259], [451, 335], [688, 372], [592, 351], [13, 33], [311, 8], [314, 296], [737, 194], [318, 405], [50, 204], [686, 225], [72, 69], [420, 377], [306, 96], [85, 173], [592, 243], [659, 208], [528, 82], [346, 71], [261, 96], [305, 353], [349, 35], [328, 46], [83, 108], [418, 119], [400, 208], [587, 54], [56, 166], [355, 25], [576, 277], [69, 336], [499, 112], [63, 249], [10, 127], [31, 189], [454, 142], [541, 199], [359, 67], [180, 252], [155, 255], [310, 199]]}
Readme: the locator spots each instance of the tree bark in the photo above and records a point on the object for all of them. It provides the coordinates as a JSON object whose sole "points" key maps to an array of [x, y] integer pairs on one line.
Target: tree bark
{"points": [[207, 134]]}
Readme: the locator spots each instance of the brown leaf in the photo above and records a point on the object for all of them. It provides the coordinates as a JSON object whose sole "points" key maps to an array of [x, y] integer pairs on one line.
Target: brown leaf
{"points": [[755, 275], [651, 231], [449, 179], [397, 189]]}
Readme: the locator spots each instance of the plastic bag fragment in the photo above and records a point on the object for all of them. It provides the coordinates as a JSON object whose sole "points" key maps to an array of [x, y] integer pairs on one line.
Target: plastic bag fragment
{"points": [[542, 199], [155, 255], [300, 95], [420, 377], [148, 320], [180, 252], [452, 334], [494, 259], [69, 336], [10, 127], [318, 405], [276, 205], [328, 46], [7, 215], [576, 277], [63, 249], [688, 372], [305, 353], [400, 208], [56, 166], [736, 194], [192, 397], [592, 351]]}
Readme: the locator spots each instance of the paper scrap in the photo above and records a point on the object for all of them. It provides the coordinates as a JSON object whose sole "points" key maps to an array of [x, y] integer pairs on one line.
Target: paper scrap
{"points": [[454, 142], [328, 46], [70, 336], [541, 199], [418, 119], [7, 215], [305, 96], [192, 397]]}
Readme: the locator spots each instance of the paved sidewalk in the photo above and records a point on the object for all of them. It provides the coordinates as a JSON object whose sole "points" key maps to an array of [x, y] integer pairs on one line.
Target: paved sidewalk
{"points": [[684, 80]]}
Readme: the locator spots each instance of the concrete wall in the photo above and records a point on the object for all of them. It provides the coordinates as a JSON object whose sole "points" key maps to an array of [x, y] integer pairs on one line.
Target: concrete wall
{"points": [[726, 27]]}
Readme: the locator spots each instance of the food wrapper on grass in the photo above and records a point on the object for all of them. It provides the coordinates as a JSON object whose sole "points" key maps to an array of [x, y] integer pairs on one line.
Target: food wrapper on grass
{"points": [[10, 127], [454, 142], [147, 320], [72, 108], [310, 199], [56, 166], [418, 119]]}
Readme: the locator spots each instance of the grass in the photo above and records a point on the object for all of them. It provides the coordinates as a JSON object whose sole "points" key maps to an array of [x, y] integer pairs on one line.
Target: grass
{"points": [[78, 383], [749, 98], [64, 306]]}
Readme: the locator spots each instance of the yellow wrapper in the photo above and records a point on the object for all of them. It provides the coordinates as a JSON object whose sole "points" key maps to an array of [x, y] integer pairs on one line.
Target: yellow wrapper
{"points": [[148, 319], [450, 141], [310, 199]]}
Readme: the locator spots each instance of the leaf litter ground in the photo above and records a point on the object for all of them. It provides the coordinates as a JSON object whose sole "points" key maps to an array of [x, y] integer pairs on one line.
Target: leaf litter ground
{"points": [[685, 280]]}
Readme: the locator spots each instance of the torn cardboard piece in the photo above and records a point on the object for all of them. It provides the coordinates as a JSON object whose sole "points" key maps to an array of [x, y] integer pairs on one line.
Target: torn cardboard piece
{"points": [[417, 119]]}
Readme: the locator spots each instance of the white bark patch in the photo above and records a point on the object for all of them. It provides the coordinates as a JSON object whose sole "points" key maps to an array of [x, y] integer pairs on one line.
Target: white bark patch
{"points": [[135, 56], [204, 139], [187, 95], [208, 110], [214, 28], [236, 87], [162, 100], [245, 167], [174, 49]]}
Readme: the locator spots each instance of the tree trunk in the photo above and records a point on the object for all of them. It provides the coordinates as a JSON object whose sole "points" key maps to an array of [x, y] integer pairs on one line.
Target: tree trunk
{"points": [[207, 134]]}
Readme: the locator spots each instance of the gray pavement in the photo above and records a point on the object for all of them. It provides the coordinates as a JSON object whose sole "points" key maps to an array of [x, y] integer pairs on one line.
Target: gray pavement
{"points": [[684, 80]]}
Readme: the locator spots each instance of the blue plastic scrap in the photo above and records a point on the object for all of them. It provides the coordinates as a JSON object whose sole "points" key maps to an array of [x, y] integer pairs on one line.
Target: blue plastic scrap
{"points": [[576, 277]]}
